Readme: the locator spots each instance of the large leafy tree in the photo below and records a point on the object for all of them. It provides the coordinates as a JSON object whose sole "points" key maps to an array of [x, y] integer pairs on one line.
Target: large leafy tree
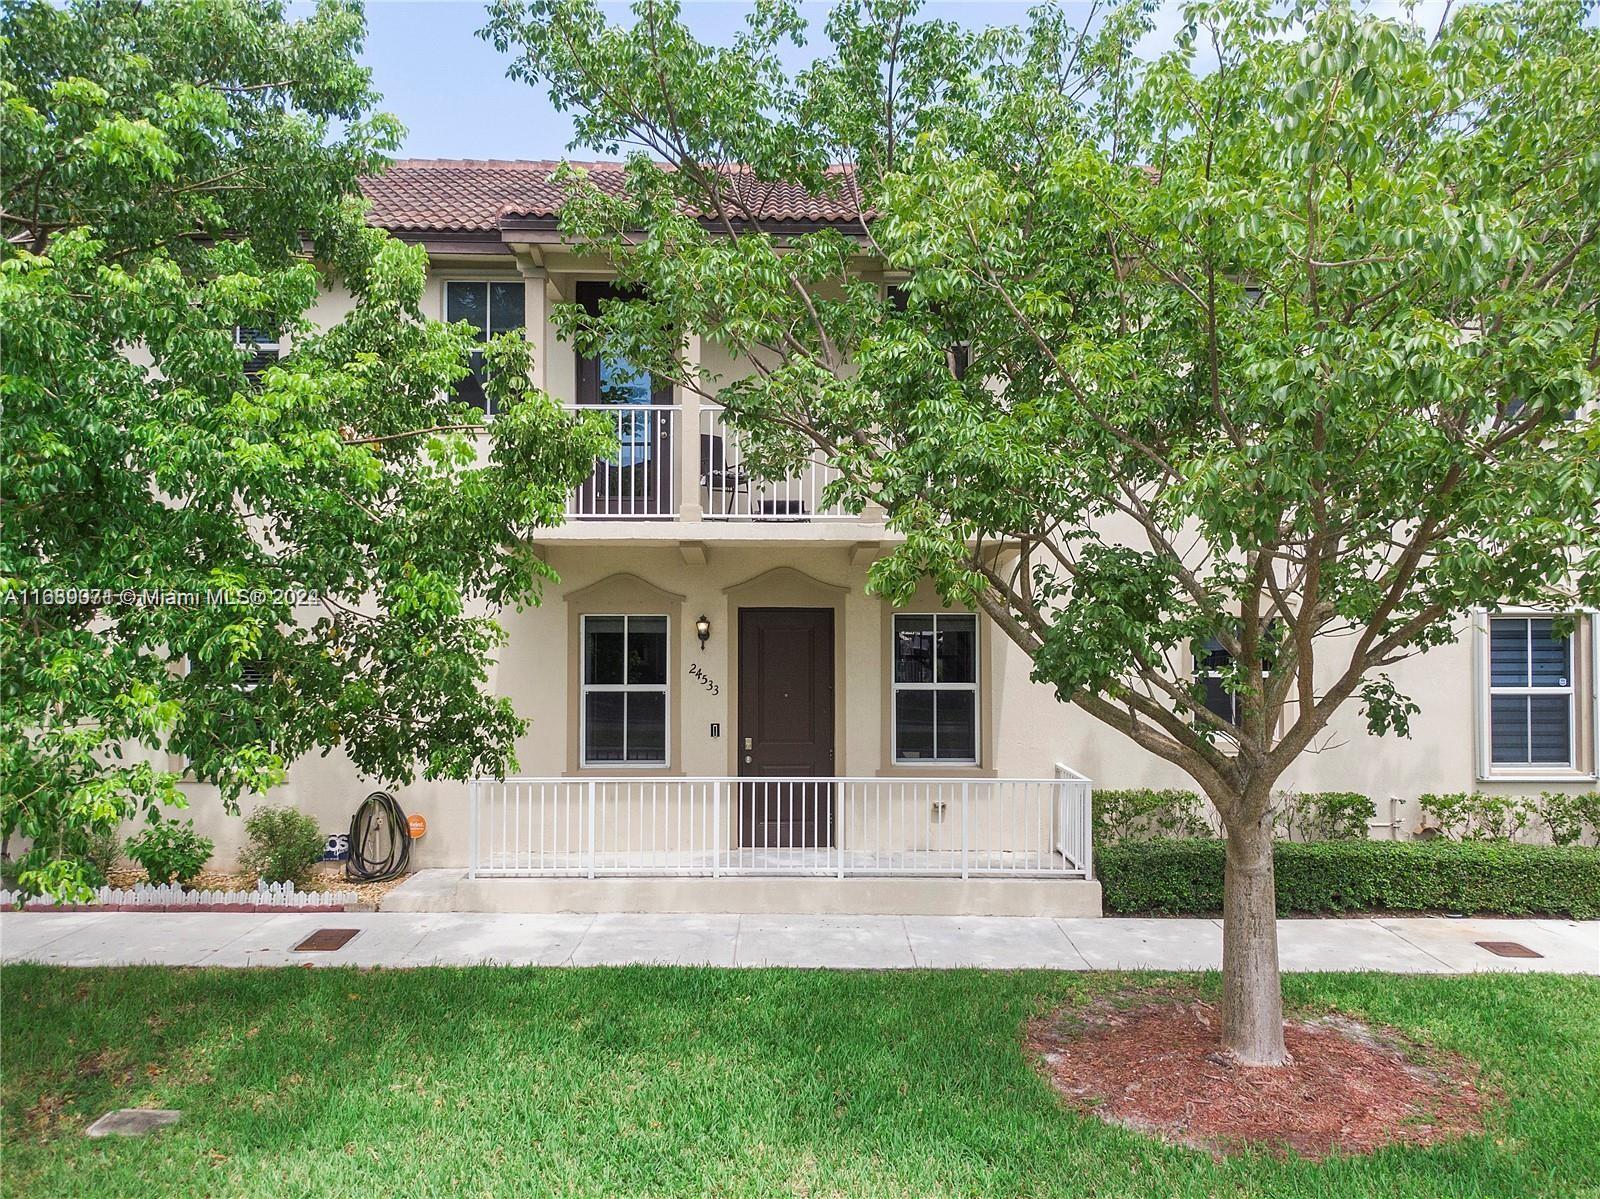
{"points": [[1286, 341], [173, 170]]}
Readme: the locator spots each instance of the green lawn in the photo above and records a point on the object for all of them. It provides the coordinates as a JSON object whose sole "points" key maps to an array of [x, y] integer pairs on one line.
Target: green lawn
{"points": [[700, 1082]]}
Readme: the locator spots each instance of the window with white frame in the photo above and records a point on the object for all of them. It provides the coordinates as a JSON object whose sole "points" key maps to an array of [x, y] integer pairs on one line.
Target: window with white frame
{"points": [[253, 674], [935, 688], [1211, 666], [1531, 693], [261, 348], [491, 307], [624, 691]]}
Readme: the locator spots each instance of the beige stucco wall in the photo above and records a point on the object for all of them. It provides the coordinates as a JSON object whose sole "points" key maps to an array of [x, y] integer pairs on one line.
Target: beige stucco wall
{"points": [[1026, 730], [686, 568]]}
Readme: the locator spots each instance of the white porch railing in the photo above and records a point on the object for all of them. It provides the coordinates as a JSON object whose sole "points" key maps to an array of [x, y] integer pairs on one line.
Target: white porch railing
{"points": [[592, 827], [1083, 800], [638, 483], [729, 493]]}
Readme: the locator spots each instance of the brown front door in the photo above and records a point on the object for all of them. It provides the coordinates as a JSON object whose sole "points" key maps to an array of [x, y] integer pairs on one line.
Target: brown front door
{"points": [[785, 726]]}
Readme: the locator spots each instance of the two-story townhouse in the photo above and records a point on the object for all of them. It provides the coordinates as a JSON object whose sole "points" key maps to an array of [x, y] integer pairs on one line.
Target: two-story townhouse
{"points": [[713, 692]]}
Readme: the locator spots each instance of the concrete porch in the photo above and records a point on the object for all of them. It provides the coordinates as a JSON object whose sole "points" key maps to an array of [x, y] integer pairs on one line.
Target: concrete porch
{"points": [[456, 891]]}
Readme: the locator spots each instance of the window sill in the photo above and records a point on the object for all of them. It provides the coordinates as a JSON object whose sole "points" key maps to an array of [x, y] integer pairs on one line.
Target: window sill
{"points": [[610, 768], [1539, 776], [913, 770]]}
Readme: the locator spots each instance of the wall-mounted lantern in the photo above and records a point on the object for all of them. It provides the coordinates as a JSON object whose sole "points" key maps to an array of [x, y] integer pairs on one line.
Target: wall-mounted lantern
{"points": [[702, 628]]}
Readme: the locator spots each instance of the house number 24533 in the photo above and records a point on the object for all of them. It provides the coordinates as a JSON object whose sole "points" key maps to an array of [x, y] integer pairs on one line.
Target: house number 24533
{"points": [[703, 679]]}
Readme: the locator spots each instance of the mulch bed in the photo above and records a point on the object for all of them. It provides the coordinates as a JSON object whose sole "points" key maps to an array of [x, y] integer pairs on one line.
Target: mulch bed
{"points": [[326, 876], [1157, 1067]]}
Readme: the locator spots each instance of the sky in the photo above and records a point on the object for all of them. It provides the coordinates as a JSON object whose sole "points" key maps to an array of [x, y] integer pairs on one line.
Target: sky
{"points": [[449, 88]]}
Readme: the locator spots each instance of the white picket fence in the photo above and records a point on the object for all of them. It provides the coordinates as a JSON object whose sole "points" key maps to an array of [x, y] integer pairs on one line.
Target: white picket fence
{"points": [[170, 895]]}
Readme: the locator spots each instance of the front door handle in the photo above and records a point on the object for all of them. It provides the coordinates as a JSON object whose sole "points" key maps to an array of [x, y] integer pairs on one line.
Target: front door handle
{"points": [[748, 758]]}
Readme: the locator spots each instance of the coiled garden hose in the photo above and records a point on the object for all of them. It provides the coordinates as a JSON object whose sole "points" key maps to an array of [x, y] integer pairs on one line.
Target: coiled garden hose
{"points": [[380, 840]]}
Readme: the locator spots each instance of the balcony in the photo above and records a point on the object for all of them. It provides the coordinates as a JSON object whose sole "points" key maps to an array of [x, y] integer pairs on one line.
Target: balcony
{"points": [[727, 492], [658, 476], [642, 481], [825, 827]]}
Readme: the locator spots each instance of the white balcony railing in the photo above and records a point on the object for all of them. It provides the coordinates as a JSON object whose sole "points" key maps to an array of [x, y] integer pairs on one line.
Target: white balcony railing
{"points": [[592, 827], [638, 483], [644, 481], [728, 492]]}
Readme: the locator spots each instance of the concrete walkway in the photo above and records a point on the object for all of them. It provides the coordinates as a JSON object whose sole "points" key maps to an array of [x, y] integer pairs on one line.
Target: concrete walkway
{"points": [[1407, 946]]}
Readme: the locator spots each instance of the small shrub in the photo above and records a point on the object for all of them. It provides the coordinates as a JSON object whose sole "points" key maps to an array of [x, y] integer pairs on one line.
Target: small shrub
{"points": [[1322, 815], [1571, 817], [1477, 815], [1142, 813], [171, 852], [282, 845], [1502, 817], [105, 851], [1487, 877], [1452, 812]]}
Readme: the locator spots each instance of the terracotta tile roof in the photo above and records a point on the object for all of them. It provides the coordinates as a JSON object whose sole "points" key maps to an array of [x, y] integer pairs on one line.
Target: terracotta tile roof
{"points": [[454, 195]]}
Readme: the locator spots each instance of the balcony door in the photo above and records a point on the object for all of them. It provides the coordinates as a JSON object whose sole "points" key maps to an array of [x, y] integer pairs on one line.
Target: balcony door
{"points": [[785, 727], [638, 480]]}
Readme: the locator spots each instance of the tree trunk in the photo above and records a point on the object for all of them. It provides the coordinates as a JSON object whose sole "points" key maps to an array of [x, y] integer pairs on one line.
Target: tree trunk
{"points": [[1252, 997]]}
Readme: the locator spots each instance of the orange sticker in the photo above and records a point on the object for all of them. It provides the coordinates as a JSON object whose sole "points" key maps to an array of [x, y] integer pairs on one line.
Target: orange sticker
{"points": [[417, 825]]}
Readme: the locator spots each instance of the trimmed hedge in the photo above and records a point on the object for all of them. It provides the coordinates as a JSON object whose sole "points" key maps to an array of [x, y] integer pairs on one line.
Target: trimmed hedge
{"points": [[1184, 877]]}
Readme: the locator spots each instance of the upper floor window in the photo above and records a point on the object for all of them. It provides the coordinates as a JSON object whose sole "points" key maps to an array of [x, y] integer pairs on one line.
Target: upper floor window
{"points": [[958, 357], [491, 307], [935, 688], [1532, 708], [261, 347], [624, 691], [253, 674]]}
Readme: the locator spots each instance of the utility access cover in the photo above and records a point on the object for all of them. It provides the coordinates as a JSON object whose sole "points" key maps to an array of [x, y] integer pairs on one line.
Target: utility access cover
{"points": [[325, 939], [131, 1122], [1508, 949]]}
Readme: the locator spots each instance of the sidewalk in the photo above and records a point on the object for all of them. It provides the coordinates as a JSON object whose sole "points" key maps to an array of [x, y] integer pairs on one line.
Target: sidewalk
{"points": [[1406, 946]]}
